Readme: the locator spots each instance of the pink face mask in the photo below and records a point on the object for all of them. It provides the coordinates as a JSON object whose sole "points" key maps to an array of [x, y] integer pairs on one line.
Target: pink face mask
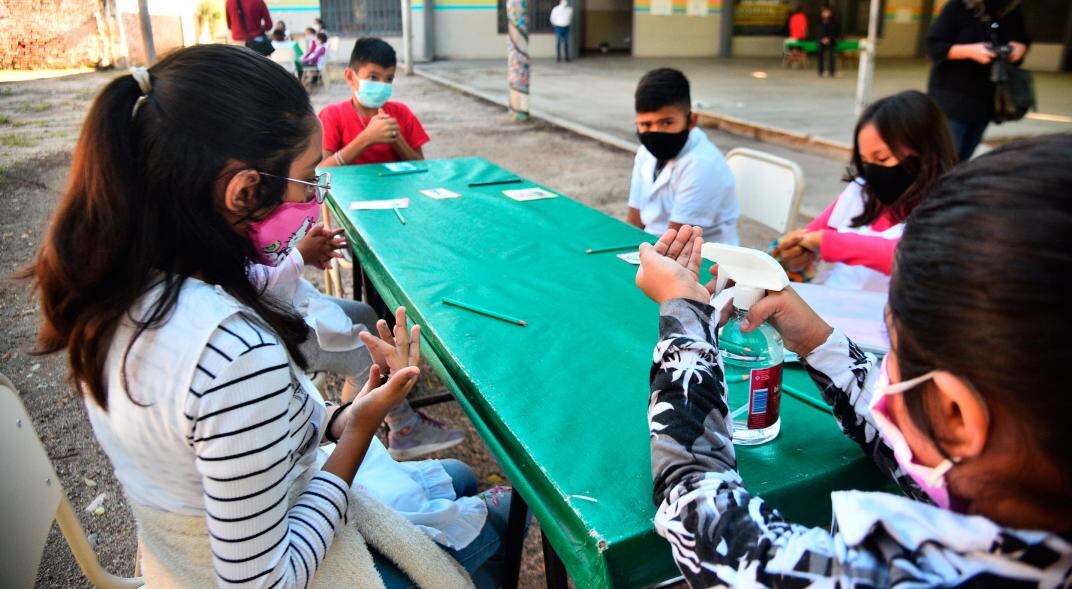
{"points": [[275, 235], [930, 478]]}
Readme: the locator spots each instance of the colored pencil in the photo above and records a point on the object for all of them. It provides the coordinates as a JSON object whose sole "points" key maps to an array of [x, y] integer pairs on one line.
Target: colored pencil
{"points": [[805, 398], [403, 172], [495, 182], [485, 312], [612, 248], [398, 214]]}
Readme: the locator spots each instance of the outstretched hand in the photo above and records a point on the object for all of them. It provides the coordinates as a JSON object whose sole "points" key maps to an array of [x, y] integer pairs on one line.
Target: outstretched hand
{"points": [[394, 351], [670, 268]]}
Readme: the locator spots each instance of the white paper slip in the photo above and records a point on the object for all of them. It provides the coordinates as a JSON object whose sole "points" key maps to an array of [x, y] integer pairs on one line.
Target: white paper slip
{"points": [[631, 257], [380, 205], [439, 193], [524, 194], [400, 167]]}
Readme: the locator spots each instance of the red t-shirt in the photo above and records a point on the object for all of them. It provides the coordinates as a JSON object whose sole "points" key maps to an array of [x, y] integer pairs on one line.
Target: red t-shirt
{"points": [[798, 26], [257, 22], [342, 124]]}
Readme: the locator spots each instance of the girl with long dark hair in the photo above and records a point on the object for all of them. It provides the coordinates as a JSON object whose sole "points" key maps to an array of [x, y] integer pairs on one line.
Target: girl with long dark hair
{"points": [[901, 145], [193, 376]]}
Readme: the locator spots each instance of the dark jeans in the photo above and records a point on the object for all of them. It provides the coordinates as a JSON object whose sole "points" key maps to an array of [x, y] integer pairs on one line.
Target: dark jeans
{"points": [[827, 52], [966, 137], [484, 558], [562, 42]]}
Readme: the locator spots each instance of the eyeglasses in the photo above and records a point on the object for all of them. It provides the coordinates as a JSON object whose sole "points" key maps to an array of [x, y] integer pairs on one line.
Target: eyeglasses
{"points": [[319, 187]]}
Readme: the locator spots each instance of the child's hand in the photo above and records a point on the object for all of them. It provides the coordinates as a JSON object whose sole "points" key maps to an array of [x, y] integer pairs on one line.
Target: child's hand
{"points": [[663, 277], [382, 129], [801, 327], [371, 405], [799, 249], [319, 246], [393, 352]]}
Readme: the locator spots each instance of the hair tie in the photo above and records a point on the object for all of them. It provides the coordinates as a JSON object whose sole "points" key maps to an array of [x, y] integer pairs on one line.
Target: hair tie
{"points": [[145, 84]]}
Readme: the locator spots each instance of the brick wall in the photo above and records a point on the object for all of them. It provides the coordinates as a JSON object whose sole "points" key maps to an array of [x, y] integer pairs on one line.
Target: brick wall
{"points": [[51, 34], [38, 34]]}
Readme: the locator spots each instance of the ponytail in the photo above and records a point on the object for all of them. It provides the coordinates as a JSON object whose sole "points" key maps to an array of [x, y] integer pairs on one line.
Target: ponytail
{"points": [[140, 207]]}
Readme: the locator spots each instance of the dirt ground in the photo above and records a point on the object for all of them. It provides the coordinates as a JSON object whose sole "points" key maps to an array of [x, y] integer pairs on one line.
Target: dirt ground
{"points": [[39, 123]]}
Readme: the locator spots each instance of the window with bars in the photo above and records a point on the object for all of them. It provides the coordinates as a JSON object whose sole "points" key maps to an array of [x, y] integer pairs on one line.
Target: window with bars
{"points": [[539, 16], [381, 18]]}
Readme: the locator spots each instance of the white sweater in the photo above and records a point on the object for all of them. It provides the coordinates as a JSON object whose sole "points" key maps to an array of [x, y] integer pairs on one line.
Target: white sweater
{"points": [[226, 429]]}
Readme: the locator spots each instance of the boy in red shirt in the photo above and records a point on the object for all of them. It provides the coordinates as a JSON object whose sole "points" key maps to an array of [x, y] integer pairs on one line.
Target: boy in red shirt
{"points": [[368, 128]]}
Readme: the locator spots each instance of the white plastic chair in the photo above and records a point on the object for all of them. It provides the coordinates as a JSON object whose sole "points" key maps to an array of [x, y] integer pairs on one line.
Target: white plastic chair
{"points": [[325, 62], [30, 498], [285, 57], [768, 187]]}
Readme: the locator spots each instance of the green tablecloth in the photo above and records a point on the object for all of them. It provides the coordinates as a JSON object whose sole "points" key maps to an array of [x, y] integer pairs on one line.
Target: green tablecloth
{"points": [[813, 46], [562, 403]]}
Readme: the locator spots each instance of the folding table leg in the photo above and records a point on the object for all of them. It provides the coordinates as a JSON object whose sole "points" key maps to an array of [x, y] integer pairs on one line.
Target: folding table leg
{"points": [[553, 568], [515, 540], [372, 296]]}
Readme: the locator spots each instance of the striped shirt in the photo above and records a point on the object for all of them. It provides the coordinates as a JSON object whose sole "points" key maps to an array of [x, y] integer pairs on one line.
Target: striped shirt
{"points": [[249, 431]]}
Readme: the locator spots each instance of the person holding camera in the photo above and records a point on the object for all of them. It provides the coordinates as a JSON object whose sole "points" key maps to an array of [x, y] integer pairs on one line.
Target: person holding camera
{"points": [[968, 43]]}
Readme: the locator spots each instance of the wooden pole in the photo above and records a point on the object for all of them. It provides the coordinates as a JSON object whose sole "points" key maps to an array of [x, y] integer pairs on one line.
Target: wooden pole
{"points": [[147, 32], [518, 57]]}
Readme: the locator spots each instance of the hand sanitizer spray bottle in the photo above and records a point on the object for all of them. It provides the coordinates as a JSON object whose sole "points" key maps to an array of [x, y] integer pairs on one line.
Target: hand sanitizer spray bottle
{"points": [[752, 361]]}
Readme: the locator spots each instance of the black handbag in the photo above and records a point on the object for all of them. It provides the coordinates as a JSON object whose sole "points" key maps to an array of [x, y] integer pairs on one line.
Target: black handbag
{"points": [[260, 43], [1014, 87]]}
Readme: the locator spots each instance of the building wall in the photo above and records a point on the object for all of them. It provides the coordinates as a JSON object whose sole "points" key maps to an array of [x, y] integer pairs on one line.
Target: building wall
{"points": [[37, 34], [686, 32], [901, 28], [469, 29]]}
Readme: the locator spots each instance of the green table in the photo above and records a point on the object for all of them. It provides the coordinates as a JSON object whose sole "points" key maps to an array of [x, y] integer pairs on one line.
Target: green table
{"points": [[562, 402]]}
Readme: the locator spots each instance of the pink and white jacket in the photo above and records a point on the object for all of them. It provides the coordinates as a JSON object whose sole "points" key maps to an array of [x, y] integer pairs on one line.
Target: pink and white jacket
{"points": [[860, 257]]}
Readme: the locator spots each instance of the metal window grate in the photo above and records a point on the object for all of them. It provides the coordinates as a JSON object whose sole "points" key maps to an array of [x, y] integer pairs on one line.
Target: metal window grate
{"points": [[362, 17], [539, 16]]}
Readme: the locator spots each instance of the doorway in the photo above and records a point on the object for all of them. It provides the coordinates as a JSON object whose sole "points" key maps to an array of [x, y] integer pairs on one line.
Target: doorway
{"points": [[607, 27]]}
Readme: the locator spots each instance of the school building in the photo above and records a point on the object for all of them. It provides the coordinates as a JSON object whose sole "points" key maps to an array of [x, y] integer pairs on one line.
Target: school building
{"points": [[476, 29]]}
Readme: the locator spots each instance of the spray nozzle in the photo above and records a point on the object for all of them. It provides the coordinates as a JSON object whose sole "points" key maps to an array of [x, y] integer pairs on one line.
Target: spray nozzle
{"points": [[754, 272]]}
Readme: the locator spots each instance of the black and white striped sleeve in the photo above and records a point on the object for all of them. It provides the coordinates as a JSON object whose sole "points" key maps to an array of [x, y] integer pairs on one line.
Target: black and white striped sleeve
{"points": [[249, 424]]}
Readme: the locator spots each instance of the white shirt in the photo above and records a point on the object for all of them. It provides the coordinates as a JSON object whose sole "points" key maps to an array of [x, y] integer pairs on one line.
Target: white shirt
{"points": [[561, 15], [695, 188]]}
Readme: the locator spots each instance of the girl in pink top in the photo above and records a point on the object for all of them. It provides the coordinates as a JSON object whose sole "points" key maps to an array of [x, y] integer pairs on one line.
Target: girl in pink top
{"points": [[902, 145]]}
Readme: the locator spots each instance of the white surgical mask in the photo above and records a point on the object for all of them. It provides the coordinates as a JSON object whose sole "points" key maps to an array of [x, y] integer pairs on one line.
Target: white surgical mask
{"points": [[930, 478]]}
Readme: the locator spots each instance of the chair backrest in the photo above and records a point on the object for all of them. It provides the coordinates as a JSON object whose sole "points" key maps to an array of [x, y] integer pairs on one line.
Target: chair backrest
{"points": [[30, 498], [285, 57], [768, 187], [29, 494]]}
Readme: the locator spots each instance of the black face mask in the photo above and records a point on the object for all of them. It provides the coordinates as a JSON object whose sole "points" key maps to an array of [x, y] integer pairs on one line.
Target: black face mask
{"points": [[664, 146], [887, 183]]}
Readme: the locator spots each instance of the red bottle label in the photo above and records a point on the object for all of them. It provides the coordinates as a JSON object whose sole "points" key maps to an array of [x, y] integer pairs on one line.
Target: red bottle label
{"points": [[765, 393]]}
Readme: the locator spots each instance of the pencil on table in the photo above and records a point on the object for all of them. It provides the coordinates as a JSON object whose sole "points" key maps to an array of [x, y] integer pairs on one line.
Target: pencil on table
{"points": [[403, 172], [485, 312], [494, 182], [398, 214], [612, 248]]}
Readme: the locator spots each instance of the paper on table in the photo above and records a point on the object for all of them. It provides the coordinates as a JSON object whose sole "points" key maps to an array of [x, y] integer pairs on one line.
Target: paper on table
{"points": [[858, 313], [400, 167], [631, 257], [378, 205], [440, 193], [524, 194]]}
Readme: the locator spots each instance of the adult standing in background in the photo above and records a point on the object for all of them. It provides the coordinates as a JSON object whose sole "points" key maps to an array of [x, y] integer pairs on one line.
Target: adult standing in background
{"points": [[961, 45], [828, 33], [561, 17], [248, 21]]}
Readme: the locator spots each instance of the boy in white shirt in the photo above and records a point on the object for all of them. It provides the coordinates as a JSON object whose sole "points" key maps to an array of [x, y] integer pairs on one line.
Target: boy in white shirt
{"points": [[679, 176]]}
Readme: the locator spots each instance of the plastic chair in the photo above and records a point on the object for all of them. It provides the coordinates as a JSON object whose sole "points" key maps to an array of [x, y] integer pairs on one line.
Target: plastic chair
{"points": [[325, 62], [30, 498], [285, 57], [768, 187]]}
